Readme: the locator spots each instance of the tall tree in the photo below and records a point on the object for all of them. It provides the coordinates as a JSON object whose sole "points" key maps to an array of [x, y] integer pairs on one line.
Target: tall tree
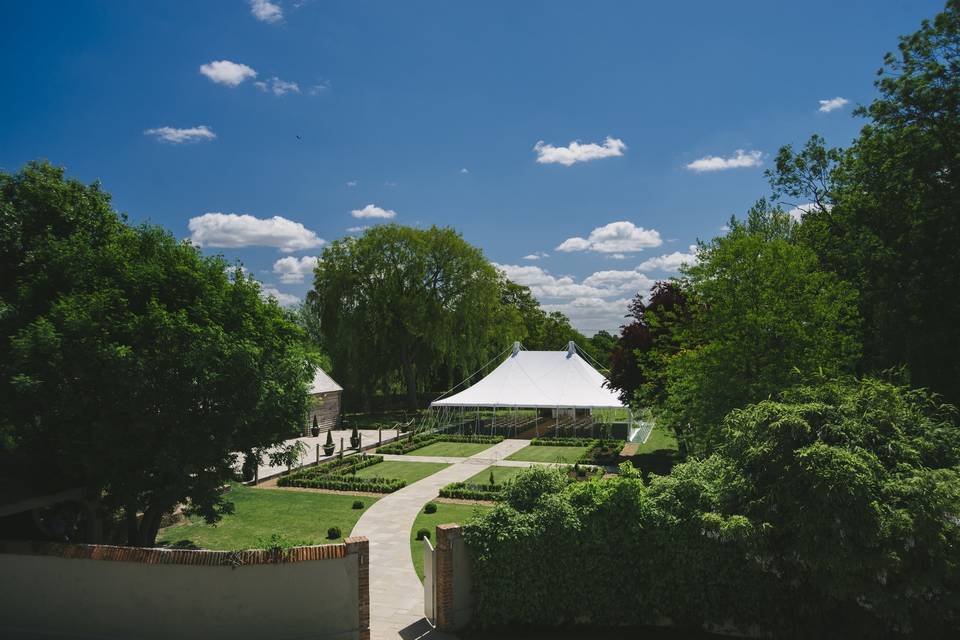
{"points": [[887, 218], [762, 311], [408, 301], [130, 363]]}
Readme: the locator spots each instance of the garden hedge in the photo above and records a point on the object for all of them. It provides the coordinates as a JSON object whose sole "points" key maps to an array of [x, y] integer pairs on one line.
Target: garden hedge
{"points": [[465, 491], [417, 442], [600, 452], [337, 475]]}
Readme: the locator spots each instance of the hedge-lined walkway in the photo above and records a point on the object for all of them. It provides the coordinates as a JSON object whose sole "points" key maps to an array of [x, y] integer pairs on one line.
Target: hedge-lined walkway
{"points": [[396, 593]]}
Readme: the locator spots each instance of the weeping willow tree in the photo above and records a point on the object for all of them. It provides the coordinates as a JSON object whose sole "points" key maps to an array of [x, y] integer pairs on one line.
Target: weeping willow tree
{"points": [[410, 305]]}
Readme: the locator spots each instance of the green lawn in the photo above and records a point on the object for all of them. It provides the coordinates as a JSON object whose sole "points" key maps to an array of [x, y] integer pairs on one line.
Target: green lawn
{"points": [[547, 453], [658, 454], [445, 514], [500, 475], [660, 439], [450, 449], [409, 471], [300, 517]]}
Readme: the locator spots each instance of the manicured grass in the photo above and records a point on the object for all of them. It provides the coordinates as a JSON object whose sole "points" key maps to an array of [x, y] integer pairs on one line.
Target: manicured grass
{"points": [[660, 439], [547, 453], [451, 449], [445, 514], [409, 471], [500, 475], [658, 454], [301, 517]]}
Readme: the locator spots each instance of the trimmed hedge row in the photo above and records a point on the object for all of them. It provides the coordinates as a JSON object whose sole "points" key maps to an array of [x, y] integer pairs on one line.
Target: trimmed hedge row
{"points": [[410, 444], [465, 491], [349, 464], [563, 442], [345, 483], [602, 452]]}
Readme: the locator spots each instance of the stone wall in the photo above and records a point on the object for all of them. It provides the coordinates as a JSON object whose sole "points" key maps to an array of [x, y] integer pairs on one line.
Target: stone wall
{"points": [[85, 591]]}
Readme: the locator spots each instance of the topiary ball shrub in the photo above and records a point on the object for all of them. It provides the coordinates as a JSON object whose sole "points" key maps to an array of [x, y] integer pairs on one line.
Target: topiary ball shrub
{"points": [[423, 533], [333, 533], [430, 507], [358, 504]]}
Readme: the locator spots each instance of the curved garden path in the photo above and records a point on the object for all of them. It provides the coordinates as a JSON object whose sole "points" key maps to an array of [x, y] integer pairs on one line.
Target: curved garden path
{"points": [[396, 593]]}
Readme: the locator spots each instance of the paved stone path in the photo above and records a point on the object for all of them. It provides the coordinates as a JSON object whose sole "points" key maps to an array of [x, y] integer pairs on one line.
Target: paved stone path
{"points": [[396, 593]]}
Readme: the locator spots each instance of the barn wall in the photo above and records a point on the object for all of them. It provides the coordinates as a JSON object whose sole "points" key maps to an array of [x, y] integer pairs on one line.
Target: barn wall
{"points": [[326, 406]]}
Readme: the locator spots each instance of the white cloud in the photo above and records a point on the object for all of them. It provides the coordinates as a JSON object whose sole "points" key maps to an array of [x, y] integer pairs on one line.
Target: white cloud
{"points": [[800, 210], [290, 269], [590, 314], [179, 136], [576, 152], [351, 183], [464, 170], [618, 282], [266, 11], [373, 211], [544, 285], [617, 256], [357, 229], [616, 237], [826, 106], [226, 72], [739, 160], [536, 255], [233, 230], [319, 88], [277, 86], [670, 261], [283, 299]]}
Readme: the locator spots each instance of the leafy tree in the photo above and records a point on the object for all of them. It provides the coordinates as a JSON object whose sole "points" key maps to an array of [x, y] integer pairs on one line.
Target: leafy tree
{"points": [[761, 311], [540, 330], [887, 220], [129, 363], [603, 344], [413, 303]]}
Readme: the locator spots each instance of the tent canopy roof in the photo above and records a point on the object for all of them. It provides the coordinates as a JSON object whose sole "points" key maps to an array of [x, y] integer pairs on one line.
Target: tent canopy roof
{"points": [[322, 383], [538, 379]]}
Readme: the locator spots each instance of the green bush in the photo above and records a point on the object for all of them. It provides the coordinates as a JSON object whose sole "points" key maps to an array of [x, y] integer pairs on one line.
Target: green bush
{"points": [[358, 504], [423, 533], [832, 512], [464, 491], [333, 533], [430, 507]]}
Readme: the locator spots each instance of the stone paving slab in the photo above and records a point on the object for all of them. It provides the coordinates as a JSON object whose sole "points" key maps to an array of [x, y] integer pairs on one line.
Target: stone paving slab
{"points": [[396, 593]]}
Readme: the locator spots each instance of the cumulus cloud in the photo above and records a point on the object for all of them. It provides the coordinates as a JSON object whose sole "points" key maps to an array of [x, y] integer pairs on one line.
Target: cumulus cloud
{"points": [[464, 170], [544, 285], [618, 282], [179, 136], [283, 299], [290, 269], [233, 230], [277, 86], [826, 106], [266, 11], [590, 314], [616, 237], [351, 183], [373, 211], [670, 261], [576, 152], [739, 160], [536, 255], [226, 72]]}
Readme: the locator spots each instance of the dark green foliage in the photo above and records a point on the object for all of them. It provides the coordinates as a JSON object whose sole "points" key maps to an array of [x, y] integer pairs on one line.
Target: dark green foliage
{"points": [[536, 482], [131, 364], [416, 442], [430, 507], [423, 533], [830, 513], [358, 504], [333, 533]]}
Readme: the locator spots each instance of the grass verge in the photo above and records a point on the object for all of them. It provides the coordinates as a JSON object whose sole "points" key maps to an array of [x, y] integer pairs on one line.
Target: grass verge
{"points": [[546, 453]]}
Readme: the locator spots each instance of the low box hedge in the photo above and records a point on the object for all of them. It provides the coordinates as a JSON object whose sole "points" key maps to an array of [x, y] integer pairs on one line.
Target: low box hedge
{"points": [[465, 491], [407, 445], [338, 475]]}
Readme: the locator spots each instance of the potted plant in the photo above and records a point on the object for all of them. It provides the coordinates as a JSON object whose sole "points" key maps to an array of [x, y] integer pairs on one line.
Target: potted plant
{"points": [[315, 428], [328, 446], [355, 437]]}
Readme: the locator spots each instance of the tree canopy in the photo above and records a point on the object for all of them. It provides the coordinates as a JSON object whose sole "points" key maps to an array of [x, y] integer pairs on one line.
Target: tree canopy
{"points": [[131, 364]]}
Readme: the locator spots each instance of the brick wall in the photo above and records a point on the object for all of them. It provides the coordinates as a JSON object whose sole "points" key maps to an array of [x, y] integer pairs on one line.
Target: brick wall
{"points": [[454, 599]]}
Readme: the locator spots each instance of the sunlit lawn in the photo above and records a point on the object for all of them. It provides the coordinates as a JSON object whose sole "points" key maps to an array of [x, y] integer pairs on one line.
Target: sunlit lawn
{"points": [[500, 475], [445, 514], [450, 449], [299, 516], [532, 453], [409, 471]]}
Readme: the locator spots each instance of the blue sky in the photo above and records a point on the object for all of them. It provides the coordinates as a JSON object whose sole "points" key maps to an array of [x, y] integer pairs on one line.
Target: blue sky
{"points": [[433, 111]]}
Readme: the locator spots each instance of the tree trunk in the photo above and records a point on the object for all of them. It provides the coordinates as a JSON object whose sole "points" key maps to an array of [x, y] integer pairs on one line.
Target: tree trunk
{"points": [[410, 377], [142, 532]]}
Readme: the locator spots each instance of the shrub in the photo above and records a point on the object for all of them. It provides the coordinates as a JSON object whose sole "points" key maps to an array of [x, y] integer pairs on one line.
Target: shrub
{"points": [[333, 533], [525, 490], [423, 533], [464, 491], [358, 504], [430, 507]]}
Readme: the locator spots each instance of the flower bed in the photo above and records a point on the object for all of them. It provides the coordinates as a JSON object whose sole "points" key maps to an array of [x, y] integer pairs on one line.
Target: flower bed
{"points": [[417, 442]]}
